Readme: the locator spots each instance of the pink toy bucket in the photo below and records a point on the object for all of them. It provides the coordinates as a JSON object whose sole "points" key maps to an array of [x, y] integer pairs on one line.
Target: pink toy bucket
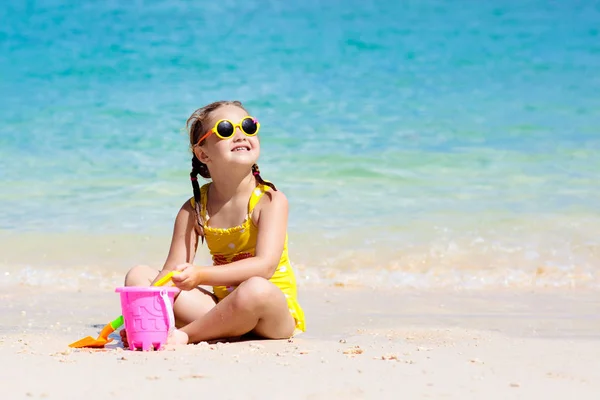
{"points": [[148, 314]]}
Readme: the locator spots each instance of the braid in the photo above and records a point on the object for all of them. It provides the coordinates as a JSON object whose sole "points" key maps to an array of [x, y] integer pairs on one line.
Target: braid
{"points": [[259, 179], [197, 169], [200, 168]]}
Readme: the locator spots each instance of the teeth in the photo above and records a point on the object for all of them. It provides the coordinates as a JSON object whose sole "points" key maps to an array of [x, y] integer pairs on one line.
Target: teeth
{"points": [[241, 149]]}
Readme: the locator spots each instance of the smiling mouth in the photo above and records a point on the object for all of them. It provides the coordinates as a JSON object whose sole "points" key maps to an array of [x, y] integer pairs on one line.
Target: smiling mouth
{"points": [[241, 148]]}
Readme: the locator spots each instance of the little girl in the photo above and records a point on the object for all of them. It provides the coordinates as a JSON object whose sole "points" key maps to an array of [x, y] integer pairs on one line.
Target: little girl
{"points": [[244, 222]]}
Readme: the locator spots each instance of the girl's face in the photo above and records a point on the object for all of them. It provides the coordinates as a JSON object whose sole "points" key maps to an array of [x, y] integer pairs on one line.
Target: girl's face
{"points": [[239, 149]]}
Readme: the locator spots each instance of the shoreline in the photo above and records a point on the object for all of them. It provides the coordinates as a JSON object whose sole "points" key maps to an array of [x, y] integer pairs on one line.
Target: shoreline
{"points": [[90, 259]]}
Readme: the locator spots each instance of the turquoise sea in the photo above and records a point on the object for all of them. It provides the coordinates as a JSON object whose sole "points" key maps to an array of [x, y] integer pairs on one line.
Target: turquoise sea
{"points": [[420, 143]]}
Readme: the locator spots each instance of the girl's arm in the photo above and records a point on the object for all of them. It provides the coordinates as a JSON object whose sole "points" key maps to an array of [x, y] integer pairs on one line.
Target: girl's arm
{"points": [[272, 228], [184, 241]]}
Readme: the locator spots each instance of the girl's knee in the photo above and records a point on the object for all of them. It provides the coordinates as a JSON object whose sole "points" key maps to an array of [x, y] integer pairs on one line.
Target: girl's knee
{"points": [[255, 294], [140, 275]]}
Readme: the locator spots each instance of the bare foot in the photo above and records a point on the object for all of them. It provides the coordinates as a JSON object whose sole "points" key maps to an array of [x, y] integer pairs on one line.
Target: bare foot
{"points": [[177, 337]]}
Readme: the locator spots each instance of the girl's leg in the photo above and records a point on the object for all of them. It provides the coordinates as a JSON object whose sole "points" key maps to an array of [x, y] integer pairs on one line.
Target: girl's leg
{"points": [[257, 305], [189, 305]]}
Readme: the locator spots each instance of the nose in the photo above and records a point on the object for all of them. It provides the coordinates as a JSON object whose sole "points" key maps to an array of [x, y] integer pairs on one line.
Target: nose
{"points": [[238, 135]]}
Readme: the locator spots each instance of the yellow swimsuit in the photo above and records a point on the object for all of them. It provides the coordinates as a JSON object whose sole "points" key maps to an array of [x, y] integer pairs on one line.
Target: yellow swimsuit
{"points": [[227, 245]]}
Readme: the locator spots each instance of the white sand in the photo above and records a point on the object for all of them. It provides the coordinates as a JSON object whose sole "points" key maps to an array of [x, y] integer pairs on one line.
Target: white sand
{"points": [[360, 344]]}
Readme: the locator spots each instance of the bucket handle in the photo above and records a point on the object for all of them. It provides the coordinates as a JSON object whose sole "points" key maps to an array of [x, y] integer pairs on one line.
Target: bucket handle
{"points": [[169, 308]]}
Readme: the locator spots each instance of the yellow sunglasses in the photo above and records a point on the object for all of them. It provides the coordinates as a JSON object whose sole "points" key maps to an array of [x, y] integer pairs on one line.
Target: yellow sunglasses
{"points": [[225, 129]]}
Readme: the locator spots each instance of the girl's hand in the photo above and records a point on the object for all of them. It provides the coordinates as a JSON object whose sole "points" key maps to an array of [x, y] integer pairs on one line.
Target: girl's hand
{"points": [[188, 278]]}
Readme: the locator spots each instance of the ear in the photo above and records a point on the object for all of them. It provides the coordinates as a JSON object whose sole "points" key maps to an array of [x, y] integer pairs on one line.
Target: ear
{"points": [[201, 155]]}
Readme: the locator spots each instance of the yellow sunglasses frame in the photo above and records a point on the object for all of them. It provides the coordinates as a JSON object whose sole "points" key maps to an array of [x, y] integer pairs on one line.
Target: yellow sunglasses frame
{"points": [[235, 126]]}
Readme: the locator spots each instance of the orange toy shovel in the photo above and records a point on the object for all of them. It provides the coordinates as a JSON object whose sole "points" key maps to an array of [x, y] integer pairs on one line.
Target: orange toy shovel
{"points": [[103, 338]]}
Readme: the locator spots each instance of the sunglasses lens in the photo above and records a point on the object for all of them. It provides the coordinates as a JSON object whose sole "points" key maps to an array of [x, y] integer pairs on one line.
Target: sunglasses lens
{"points": [[225, 129], [249, 126]]}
